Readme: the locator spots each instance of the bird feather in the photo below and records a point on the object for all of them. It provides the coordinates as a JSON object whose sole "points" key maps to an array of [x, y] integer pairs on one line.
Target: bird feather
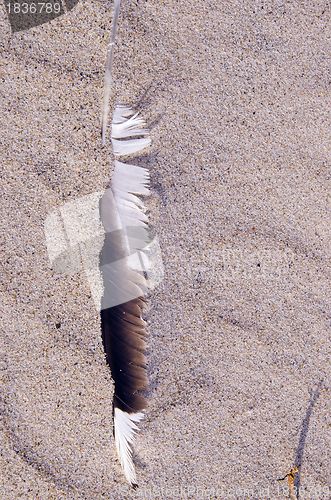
{"points": [[124, 263]]}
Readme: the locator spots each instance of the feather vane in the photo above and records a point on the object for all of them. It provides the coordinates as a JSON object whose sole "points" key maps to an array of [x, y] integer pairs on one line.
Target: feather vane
{"points": [[124, 263]]}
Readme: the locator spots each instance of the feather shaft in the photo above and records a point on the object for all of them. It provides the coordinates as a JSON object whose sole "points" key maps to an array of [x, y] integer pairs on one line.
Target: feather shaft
{"points": [[108, 72]]}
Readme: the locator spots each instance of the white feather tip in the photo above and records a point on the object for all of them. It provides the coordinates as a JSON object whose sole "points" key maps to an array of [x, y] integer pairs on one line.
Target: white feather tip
{"points": [[125, 428]]}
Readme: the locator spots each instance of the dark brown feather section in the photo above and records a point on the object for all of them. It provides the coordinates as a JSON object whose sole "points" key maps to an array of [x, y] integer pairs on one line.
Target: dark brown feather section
{"points": [[123, 336]]}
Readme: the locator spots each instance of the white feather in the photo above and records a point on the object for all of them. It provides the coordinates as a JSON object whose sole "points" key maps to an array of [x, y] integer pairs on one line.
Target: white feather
{"points": [[128, 125], [121, 113], [130, 146], [125, 429], [128, 128], [139, 261], [129, 181]]}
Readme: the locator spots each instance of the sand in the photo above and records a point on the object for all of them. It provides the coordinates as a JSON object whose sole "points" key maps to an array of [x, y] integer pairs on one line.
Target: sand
{"points": [[236, 94]]}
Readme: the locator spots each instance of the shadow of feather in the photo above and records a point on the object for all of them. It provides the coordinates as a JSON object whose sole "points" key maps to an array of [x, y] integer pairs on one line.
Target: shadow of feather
{"points": [[144, 102], [303, 435], [145, 99]]}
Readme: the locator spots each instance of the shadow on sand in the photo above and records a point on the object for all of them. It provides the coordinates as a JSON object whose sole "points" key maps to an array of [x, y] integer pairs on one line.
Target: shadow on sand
{"points": [[314, 395]]}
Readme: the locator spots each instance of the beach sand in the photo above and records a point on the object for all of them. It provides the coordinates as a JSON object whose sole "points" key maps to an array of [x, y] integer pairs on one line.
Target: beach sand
{"points": [[236, 95]]}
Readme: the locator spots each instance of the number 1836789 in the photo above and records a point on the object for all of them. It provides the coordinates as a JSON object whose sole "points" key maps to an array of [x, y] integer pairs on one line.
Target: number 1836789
{"points": [[34, 8]]}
